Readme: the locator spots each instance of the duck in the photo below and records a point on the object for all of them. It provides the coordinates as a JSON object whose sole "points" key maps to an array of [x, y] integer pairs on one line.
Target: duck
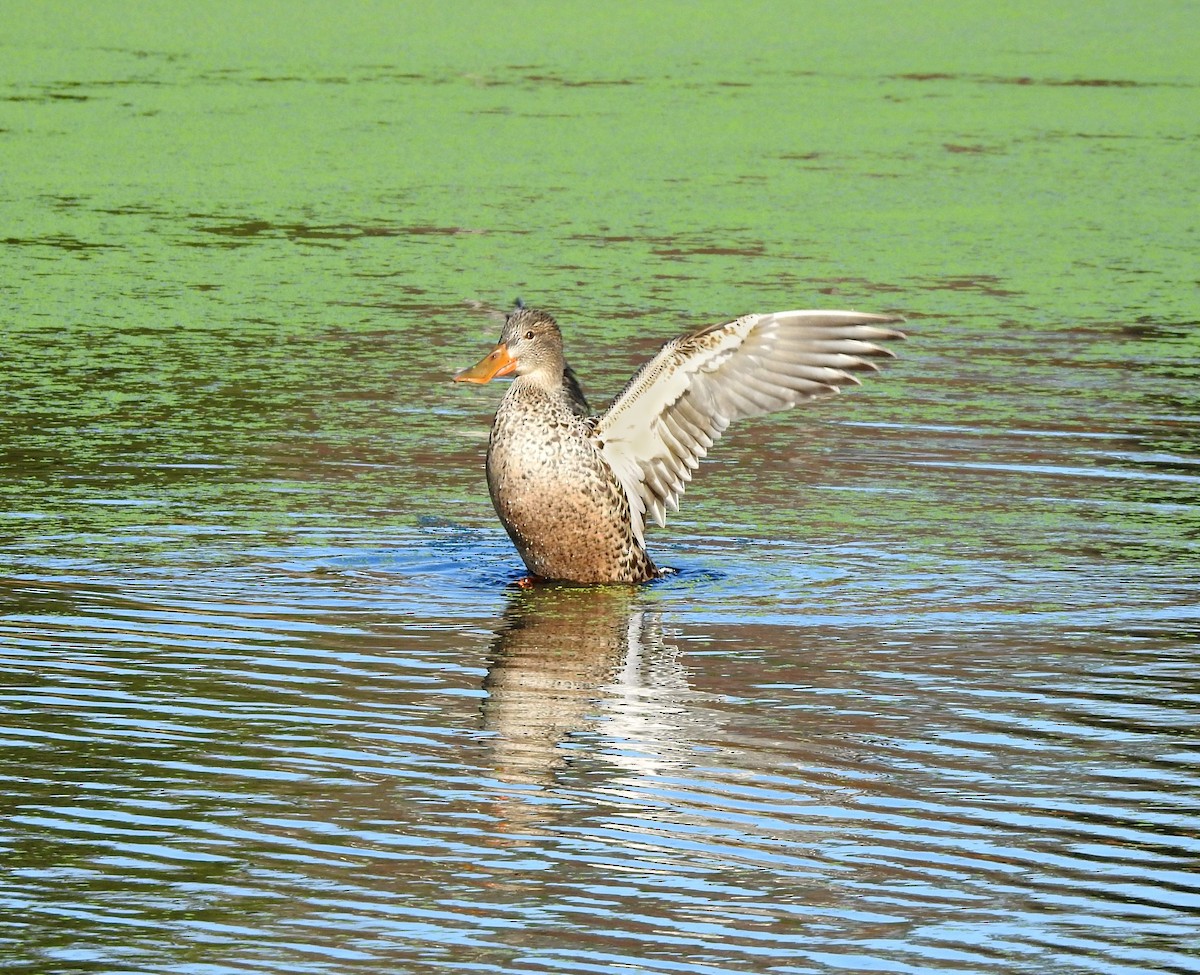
{"points": [[574, 489]]}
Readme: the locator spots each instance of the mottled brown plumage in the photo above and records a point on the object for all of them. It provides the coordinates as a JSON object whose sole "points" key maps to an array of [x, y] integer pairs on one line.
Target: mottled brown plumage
{"points": [[574, 491]]}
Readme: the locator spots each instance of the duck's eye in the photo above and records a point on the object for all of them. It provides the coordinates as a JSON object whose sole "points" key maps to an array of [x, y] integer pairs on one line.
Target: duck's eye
{"points": [[529, 336]]}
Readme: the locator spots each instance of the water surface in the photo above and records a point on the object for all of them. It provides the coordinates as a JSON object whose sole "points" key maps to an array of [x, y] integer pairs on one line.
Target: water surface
{"points": [[922, 693]]}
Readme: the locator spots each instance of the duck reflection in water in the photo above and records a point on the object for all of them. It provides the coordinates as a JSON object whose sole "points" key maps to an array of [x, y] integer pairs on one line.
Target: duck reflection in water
{"points": [[568, 659]]}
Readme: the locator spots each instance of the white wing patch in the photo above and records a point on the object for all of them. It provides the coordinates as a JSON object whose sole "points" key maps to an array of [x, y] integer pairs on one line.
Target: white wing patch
{"points": [[656, 432]]}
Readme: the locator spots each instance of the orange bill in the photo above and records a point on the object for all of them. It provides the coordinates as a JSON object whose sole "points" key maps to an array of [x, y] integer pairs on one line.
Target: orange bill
{"points": [[498, 362]]}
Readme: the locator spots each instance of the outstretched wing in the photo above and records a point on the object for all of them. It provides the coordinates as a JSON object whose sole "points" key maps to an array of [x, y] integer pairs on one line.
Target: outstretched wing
{"points": [[678, 404]]}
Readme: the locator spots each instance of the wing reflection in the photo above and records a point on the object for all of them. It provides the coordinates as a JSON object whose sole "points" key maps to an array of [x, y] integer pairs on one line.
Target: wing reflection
{"points": [[568, 659]]}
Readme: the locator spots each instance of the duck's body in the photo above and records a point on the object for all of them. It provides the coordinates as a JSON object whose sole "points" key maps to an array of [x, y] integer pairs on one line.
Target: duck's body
{"points": [[560, 502], [573, 491]]}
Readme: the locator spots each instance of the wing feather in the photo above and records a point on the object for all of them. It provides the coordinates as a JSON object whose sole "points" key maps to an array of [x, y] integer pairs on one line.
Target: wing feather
{"points": [[656, 432]]}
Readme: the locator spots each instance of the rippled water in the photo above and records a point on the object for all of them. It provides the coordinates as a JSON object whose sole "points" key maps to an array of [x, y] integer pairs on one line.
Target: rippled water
{"points": [[922, 694]]}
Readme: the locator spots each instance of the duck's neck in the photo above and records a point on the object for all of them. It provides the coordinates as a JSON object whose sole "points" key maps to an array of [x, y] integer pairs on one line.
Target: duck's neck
{"points": [[546, 378], [535, 386]]}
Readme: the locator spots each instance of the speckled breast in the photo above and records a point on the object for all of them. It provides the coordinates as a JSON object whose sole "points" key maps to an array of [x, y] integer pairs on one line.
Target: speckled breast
{"points": [[560, 504]]}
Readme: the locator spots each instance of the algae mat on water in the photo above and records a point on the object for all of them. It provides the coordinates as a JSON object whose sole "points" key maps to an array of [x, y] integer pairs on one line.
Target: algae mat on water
{"points": [[617, 157]]}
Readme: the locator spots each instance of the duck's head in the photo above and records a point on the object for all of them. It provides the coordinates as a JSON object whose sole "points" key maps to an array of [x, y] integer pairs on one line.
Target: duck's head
{"points": [[530, 344]]}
